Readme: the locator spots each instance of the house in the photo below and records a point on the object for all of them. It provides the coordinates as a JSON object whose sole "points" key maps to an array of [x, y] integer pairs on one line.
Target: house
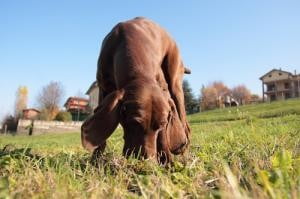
{"points": [[93, 93], [230, 101], [226, 101], [280, 85], [78, 107], [30, 113]]}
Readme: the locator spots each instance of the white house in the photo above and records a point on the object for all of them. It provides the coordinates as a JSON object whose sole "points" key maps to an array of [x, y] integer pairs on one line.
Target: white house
{"points": [[280, 85], [93, 93]]}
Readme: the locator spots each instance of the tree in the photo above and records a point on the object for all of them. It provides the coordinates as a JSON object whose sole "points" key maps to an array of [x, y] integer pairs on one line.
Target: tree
{"points": [[208, 98], [49, 100], [255, 98], [212, 96], [21, 101], [10, 124], [221, 89], [63, 116], [190, 102], [242, 94]]}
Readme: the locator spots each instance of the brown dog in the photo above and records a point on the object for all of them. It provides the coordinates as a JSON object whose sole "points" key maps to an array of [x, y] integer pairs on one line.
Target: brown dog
{"points": [[140, 76]]}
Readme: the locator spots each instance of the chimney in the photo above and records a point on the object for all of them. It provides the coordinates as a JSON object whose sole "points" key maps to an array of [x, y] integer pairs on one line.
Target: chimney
{"points": [[295, 72]]}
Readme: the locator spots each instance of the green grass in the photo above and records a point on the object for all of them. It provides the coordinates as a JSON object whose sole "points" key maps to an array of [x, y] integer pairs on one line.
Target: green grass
{"points": [[265, 110], [250, 153]]}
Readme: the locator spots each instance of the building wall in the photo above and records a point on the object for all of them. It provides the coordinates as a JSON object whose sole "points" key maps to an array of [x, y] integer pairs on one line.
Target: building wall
{"points": [[30, 114], [76, 104], [94, 95], [280, 91], [297, 86], [275, 76], [280, 85], [40, 127]]}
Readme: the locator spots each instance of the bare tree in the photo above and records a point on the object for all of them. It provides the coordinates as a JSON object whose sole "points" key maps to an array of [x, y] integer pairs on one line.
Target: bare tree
{"points": [[21, 101], [221, 89], [213, 95], [209, 99], [242, 94], [49, 100]]}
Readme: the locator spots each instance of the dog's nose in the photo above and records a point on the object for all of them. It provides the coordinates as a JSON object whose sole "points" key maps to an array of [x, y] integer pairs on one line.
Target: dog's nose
{"points": [[181, 148]]}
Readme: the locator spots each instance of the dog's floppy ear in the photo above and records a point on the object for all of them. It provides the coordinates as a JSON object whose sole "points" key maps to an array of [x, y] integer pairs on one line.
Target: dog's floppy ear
{"points": [[176, 132], [97, 128]]}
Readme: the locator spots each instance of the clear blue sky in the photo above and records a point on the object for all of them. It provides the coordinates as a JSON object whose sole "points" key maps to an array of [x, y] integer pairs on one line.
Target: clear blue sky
{"points": [[233, 41]]}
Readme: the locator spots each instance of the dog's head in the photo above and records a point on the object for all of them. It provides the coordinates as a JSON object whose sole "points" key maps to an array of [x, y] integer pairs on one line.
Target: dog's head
{"points": [[148, 115]]}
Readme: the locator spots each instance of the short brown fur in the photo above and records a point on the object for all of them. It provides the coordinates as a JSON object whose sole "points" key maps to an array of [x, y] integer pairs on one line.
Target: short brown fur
{"points": [[140, 76]]}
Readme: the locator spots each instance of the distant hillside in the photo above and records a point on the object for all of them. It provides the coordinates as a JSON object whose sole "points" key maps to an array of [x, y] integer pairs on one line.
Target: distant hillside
{"points": [[265, 110]]}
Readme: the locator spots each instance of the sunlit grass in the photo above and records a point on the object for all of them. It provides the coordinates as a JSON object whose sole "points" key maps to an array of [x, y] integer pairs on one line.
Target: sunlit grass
{"points": [[265, 110], [255, 157]]}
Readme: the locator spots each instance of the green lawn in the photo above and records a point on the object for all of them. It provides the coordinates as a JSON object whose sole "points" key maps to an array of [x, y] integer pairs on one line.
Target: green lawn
{"points": [[265, 110], [252, 151]]}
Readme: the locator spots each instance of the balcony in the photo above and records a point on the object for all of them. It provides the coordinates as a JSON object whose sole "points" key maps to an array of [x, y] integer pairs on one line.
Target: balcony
{"points": [[271, 88]]}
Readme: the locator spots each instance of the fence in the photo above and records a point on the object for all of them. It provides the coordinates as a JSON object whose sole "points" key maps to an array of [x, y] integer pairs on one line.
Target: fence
{"points": [[39, 126]]}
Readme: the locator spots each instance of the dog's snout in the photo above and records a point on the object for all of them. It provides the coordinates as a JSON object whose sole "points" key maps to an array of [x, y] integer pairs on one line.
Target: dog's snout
{"points": [[181, 148]]}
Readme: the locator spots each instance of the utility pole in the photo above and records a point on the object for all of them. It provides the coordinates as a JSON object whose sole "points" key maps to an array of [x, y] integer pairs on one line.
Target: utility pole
{"points": [[78, 113], [263, 91]]}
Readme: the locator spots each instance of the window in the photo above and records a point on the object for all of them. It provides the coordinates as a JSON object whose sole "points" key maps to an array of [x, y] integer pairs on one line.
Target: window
{"points": [[270, 87], [286, 85], [279, 74], [270, 75]]}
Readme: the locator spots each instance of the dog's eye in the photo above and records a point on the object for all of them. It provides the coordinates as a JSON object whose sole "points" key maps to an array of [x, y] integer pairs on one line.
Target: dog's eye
{"points": [[123, 110], [159, 125], [163, 123], [134, 125], [128, 107], [136, 120]]}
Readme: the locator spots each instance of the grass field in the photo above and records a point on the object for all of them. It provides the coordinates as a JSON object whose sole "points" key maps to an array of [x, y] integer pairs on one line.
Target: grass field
{"points": [[249, 152]]}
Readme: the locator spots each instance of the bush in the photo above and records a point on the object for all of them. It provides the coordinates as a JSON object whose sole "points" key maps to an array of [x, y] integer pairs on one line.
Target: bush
{"points": [[63, 116], [10, 124], [48, 115]]}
